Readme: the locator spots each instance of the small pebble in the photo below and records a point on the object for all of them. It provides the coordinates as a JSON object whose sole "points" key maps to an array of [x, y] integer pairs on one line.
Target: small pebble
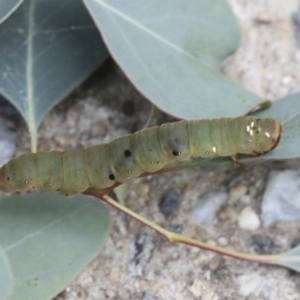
{"points": [[248, 219], [264, 18], [98, 129], [249, 286], [237, 192], [211, 243], [61, 140], [169, 202], [215, 262], [281, 200], [263, 244], [140, 253], [148, 296], [208, 207], [227, 213], [142, 189], [286, 80], [196, 289], [222, 241]]}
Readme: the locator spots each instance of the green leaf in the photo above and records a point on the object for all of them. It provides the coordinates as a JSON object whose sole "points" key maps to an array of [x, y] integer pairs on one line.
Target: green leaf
{"points": [[7, 8], [289, 259], [46, 240], [172, 52], [47, 48], [6, 277]]}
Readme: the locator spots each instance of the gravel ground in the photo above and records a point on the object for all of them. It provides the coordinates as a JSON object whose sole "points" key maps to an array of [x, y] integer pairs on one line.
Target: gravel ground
{"points": [[136, 263]]}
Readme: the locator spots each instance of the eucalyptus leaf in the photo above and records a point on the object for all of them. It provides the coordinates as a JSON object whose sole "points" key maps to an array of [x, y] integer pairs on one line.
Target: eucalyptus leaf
{"points": [[47, 48], [7, 7], [172, 52], [289, 259], [6, 282], [46, 240]]}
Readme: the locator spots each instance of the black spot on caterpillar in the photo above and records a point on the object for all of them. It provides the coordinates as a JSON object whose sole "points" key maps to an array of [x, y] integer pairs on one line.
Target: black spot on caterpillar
{"points": [[103, 166]]}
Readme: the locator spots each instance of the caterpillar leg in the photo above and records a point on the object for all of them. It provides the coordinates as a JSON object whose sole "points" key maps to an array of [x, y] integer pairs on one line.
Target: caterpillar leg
{"points": [[234, 159]]}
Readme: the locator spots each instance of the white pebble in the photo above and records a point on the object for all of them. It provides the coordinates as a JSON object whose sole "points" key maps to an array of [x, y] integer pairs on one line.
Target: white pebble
{"points": [[248, 219], [222, 241], [281, 201], [248, 286], [208, 206], [286, 80]]}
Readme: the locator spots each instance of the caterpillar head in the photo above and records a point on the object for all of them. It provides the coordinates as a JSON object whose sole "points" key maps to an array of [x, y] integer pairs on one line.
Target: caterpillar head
{"points": [[264, 134]]}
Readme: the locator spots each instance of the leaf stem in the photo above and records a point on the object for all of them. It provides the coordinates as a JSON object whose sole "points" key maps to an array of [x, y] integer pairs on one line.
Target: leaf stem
{"points": [[178, 238]]}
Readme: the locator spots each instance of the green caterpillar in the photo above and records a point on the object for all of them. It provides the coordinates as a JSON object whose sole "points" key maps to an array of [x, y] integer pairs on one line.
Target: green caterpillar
{"points": [[103, 166]]}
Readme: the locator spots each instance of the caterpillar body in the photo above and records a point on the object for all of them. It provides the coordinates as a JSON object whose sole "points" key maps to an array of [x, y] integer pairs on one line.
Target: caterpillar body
{"points": [[101, 167]]}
